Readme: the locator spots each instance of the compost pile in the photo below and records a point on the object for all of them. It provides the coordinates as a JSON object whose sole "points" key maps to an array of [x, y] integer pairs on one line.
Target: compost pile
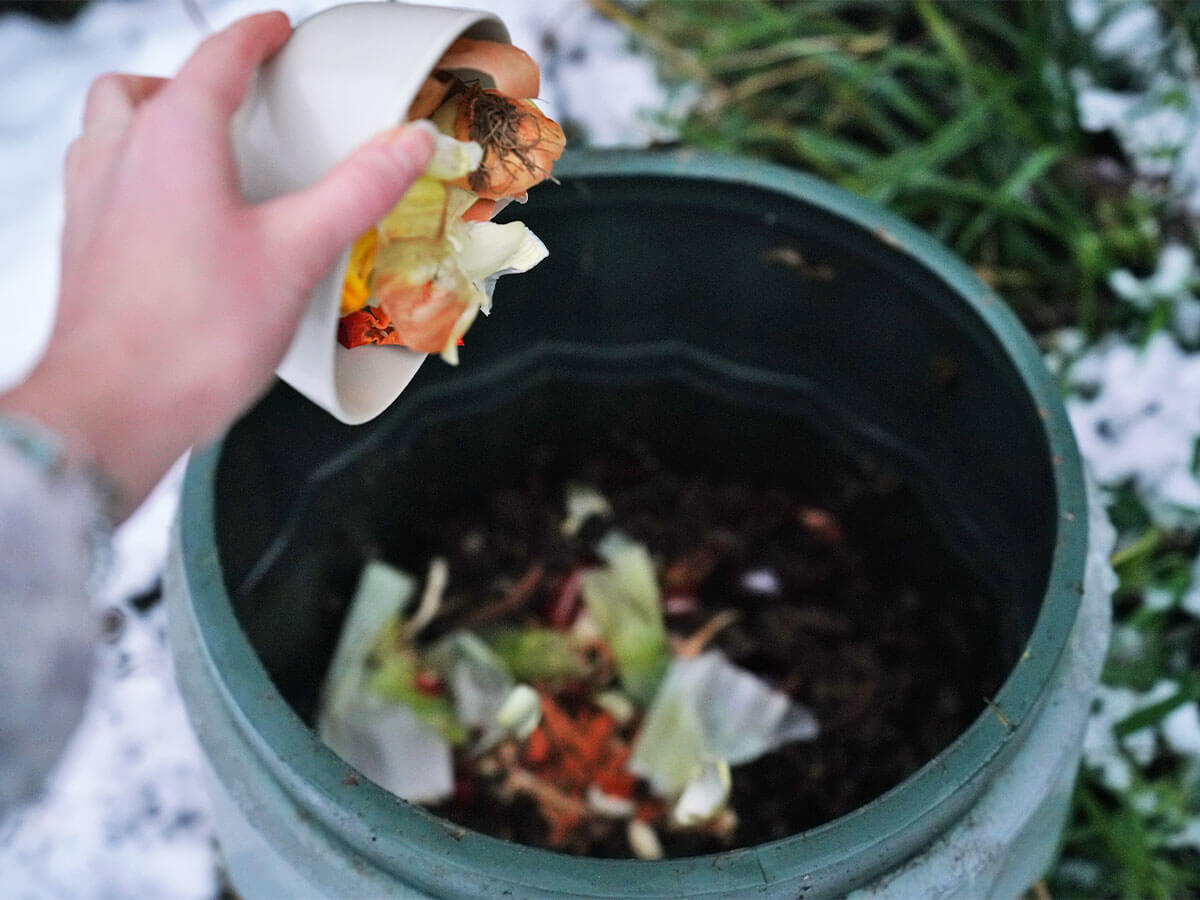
{"points": [[608, 657]]}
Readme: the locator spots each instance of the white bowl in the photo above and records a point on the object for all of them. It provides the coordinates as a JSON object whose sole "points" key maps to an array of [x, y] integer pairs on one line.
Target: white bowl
{"points": [[345, 75]]}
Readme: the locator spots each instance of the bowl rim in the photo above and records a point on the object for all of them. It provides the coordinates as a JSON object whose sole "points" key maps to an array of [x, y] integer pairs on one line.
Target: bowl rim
{"points": [[878, 834]]}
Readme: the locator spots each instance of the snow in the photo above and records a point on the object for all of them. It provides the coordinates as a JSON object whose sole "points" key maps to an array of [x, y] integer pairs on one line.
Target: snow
{"points": [[125, 813], [1191, 598], [1170, 284], [1114, 758], [1181, 730], [1136, 415], [1135, 409], [1157, 120]]}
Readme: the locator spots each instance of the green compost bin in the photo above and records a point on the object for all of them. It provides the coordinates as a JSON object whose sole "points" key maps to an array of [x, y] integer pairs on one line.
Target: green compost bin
{"points": [[730, 310]]}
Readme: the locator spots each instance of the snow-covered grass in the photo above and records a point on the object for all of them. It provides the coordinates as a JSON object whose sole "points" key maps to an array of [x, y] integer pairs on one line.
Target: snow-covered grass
{"points": [[1134, 402]]}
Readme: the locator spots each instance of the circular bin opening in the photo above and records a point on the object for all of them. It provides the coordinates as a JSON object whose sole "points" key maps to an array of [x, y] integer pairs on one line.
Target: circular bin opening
{"points": [[732, 315]]}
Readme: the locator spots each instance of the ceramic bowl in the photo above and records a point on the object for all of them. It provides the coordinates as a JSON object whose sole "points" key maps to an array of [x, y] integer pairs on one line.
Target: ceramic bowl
{"points": [[345, 75]]}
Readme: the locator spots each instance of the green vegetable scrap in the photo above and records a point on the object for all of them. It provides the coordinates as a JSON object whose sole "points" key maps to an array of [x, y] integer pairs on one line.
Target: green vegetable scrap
{"points": [[624, 600], [578, 700]]}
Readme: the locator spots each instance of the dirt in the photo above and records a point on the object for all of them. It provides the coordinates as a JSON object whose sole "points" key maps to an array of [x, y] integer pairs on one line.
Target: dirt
{"points": [[847, 602]]}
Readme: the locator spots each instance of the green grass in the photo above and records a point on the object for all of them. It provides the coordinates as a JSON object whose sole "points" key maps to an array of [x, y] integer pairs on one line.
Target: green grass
{"points": [[962, 117], [959, 116]]}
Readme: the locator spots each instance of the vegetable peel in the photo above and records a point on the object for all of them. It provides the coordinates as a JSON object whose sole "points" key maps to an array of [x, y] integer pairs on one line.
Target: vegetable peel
{"points": [[710, 709], [623, 599], [431, 264], [373, 734]]}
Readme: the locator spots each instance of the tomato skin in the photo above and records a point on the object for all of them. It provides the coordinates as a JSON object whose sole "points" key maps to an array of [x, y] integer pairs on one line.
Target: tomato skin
{"points": [[423, 315]]}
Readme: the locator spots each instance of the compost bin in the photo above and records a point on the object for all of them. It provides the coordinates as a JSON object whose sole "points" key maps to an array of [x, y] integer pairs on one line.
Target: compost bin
{"points": [[730, 312]]}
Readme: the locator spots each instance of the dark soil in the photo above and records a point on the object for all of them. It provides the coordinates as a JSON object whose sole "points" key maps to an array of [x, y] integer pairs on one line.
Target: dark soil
{"points": [[873, 626]]}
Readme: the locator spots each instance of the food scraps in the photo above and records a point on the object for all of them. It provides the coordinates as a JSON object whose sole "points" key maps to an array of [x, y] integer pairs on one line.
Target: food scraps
{"points": [[419, 277], [585, 705]]}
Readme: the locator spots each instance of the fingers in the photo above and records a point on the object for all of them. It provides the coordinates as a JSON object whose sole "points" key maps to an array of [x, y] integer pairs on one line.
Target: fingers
{"points": [[313, 227], [113, 99], [112, 103], [221, 68]]}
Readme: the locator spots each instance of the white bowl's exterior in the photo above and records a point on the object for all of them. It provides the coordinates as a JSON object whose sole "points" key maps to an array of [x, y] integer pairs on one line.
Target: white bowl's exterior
{"points": [[345, 75]]}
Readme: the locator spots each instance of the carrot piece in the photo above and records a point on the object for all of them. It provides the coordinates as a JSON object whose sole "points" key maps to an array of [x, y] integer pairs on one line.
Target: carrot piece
{"points": [[616, 783], [595, 733], [428, 683], [511, 68], [561, 728], [537, 747], [567, 603]]}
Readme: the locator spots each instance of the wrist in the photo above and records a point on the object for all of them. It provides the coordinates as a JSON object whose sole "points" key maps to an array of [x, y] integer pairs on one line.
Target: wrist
{"points": [[48, 452], [60, 426]]}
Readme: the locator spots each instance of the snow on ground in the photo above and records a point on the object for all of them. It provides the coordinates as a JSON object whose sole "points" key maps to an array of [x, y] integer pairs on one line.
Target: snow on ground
{"points": [[1135, 409], [1157, 119], [1138, 419]]}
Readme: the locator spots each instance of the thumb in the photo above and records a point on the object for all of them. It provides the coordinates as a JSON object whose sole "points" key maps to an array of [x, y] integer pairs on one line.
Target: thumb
{"points": [[312, 227]]}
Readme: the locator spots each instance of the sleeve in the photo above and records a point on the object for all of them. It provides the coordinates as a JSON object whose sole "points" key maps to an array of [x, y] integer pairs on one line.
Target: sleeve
{"points": [[54, 535]]}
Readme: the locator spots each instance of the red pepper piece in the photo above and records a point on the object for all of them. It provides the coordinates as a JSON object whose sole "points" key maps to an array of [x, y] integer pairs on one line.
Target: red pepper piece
{"points": [[369, 325], [428, 683]]}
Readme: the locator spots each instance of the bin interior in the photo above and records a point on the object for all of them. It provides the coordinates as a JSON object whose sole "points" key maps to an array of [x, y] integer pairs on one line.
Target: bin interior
{"points": [[726, 324]]}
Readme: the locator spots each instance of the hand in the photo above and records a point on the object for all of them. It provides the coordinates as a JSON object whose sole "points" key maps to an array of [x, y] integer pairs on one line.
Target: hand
{"points": [[178, 299]]}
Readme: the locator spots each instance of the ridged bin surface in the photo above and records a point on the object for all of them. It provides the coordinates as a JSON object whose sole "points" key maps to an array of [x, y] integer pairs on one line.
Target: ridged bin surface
{"points": [[770, 295]]}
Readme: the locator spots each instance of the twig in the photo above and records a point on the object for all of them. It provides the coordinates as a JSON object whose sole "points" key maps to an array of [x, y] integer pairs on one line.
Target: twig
{"points": [[513, 600], [777, 77], [431, 598], [856, 45], [524, 781], [694, 645]]}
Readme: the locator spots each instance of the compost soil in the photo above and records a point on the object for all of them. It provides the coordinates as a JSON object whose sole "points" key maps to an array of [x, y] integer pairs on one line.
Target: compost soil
{"points": [[848, 603]]}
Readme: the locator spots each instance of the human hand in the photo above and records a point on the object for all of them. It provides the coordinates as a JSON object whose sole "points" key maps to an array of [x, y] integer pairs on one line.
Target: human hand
{"points": [[178, 299]]}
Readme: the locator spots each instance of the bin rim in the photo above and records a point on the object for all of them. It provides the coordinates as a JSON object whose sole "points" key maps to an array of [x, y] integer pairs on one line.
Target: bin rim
{"points": [[861, 840]]}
